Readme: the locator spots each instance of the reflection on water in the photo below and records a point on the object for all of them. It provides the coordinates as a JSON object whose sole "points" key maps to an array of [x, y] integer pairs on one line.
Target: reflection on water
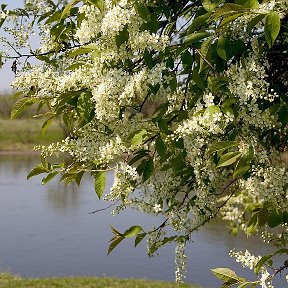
{"points": [[48, 231]]}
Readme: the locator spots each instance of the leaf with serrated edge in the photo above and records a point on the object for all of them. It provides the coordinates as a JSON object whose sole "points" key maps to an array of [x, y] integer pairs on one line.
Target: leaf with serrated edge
{"points": [[46, 124], [115, 232], [139, 238], [227, 274], [160, 147], [36, 171], [254, 22], [68, 7], [114, 242], [222, 145], [132, 231], [21, 105], [100, 182], [271, 27], [49, 177], [228, 159], [138, 138]]}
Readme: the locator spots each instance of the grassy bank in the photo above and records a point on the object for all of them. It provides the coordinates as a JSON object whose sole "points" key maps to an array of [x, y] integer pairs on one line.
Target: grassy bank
{"points": [[9, 281], [24, 134]]}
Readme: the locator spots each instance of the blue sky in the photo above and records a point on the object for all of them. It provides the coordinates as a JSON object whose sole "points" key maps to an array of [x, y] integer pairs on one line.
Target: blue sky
{"points": [[6, 74]]}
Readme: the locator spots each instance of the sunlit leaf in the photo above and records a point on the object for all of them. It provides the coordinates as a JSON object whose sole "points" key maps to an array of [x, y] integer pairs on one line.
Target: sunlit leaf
{"points": [[49, 177], [221, 145], [99, 183], [139, 238], [21, 105], [39, 169], [132, 231], [68, 7], [271, 27], [226, 275], [114, 242], [228, 159]]}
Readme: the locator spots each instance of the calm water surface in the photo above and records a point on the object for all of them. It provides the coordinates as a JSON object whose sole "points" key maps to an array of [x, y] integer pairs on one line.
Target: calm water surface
{"points": [[47, 231]]}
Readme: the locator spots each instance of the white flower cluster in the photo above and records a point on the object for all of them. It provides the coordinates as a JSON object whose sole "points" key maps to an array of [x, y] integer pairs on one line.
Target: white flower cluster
{"points": [[248, 85], [181, 263], [268, 184], [91, 25], [116, 18], [249, 260], [40, 6], [125, 182]]}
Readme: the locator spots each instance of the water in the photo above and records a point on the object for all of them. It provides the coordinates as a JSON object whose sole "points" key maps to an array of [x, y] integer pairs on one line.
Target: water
{"points": [[47, 231]]}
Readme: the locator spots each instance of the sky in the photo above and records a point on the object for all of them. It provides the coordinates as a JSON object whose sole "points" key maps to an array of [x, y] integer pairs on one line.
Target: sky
{"points": [[6, 74]]}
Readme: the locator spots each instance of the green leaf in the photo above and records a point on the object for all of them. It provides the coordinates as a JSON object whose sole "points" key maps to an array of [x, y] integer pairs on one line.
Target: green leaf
{"points": [[205, 46], [221, 146], [262, 216], [226, 275], [148, 169], [114, 242], [271, 27], [275, 219], [223, 48], [39, 169], [138, 156], [227, 9], [210, 111], [241, 171], [54, 17], [198, 79], [229, 101], [253, 4], [46, 124], [254, 22], [49, 177], [84, 105], [83, 50], [68, 7], [160, 147], [115, 232], [229, 19], [138, 138], [197, 23], [261, 262], [242, 166], [283, 115], [209, 6], [195, 37], [98, 3], [75, 66], [163, 126], [99, 184], [148, 59], [187, 59], [122, 37], [142, 11], [21, 105], [228, 159], [139, 238], [133, 231]]}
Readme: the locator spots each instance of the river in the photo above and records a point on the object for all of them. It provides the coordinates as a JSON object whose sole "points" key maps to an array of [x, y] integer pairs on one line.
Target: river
{"points": [[48, 231]]}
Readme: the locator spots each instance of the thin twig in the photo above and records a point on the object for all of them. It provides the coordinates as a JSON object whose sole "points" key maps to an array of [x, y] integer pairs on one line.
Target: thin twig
{"points": [[104, 209]]}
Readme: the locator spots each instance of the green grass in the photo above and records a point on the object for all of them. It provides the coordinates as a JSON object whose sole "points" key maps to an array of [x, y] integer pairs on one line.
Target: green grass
{"points": [[24, 134], [9, 281]]}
